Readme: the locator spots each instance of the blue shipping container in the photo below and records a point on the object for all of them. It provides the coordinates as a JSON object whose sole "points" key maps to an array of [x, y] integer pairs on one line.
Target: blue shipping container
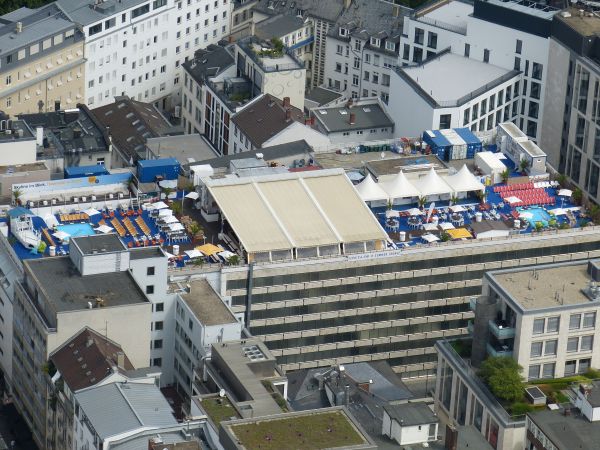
{"points": [[85, 171], [149, 170]]}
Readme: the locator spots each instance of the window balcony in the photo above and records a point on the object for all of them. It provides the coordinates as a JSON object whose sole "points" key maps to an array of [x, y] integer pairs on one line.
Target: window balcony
{"points": [[473, 303], [503, 350], [501, 330]]}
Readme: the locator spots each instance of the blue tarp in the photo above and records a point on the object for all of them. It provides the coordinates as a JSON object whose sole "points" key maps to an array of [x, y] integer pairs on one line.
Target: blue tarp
{"points": [[85, 171], [19, 211], [161, 162]]}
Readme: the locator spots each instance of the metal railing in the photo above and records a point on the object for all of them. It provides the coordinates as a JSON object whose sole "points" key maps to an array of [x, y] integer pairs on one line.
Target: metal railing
{"points": [[442, 25], [501, 333]]}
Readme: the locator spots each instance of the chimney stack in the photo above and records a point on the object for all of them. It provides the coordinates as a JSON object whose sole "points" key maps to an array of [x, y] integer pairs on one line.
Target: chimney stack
{"points": [[451, 438], [352, 118], [19, 27], [288, 115], [286, 102], [121, 360]]}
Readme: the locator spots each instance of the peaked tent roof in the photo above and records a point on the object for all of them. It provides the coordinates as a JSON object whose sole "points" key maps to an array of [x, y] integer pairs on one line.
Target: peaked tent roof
{"points": [[369, 191], [400, 187], [432, 184], [464, 181]]}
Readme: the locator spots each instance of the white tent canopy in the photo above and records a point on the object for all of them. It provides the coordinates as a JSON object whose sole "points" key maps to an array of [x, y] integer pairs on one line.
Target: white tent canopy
{"points": [[176, 226], [159, 205], [170, 219], [61, 235], [370, 191], [51, 220], [91, 212], [193, 195], [165, 213], [400, 187], [104, 229], [464, 181], [430, 238], [194, 253], [432, 184]]}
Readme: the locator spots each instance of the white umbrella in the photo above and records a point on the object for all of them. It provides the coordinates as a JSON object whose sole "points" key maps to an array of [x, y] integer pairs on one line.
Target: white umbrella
{"points": [[512, 199], [170, 219], [104, 229], [558, 211], [430, 237], [165, 213], [391, 213], [415, 212], [565, 192], [176, 226], [91, 212], [51, 220], [194, 253], [457, 208], [192, 195], [430, 227], [61, 235], [159, 205]]}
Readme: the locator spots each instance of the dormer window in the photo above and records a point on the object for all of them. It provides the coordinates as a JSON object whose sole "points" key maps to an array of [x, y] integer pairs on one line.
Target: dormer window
{"points": [[390, 46], [343, 32], [375, 42]]}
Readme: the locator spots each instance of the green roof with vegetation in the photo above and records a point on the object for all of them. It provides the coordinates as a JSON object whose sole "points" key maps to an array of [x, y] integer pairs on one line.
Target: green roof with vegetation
{"points": [[218, 409], [312, 431]]}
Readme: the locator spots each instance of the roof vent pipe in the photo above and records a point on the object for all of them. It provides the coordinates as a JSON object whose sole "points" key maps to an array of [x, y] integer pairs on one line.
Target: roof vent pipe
{"points": [[352, 118]]}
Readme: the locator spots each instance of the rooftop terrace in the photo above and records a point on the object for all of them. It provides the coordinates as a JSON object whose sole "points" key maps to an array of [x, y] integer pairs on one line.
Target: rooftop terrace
{"points": [[207, 305], [268, 56]]}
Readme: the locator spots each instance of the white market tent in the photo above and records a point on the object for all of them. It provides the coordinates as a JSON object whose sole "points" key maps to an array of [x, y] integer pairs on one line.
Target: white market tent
{"points": [[464, 181], [170, 219], [370, 191], [194, 253], [400, 187], [91, 212], [159, 205], [432, 184]]}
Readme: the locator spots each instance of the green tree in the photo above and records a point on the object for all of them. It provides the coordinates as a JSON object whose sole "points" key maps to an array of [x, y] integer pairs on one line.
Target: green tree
{"points": [[421, 201], [17, 193], [233, 260], [176, 207], [562, 179], [503, 377], [505, 175], [577, 196], [524, 165]]}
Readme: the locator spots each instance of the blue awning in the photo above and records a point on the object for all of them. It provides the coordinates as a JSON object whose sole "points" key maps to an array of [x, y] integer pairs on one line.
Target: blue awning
{"points": [[302, 43]]}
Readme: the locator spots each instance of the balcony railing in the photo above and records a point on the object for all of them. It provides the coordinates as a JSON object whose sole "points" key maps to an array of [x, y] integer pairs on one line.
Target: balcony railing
{"points": [[470, 327], [502, 351], [473, 304], [501, 331]]}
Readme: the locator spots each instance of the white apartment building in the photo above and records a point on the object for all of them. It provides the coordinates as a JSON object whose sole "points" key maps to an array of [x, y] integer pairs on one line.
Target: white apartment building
{"points": [[473, 29], [452, 91], [358, 63]]}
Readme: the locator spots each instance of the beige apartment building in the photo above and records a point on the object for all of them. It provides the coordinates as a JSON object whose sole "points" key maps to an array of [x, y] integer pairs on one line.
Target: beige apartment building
{"points": [[41, 61]]}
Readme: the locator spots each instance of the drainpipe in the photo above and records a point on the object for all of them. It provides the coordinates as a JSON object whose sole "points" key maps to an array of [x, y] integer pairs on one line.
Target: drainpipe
{"points": [[250, 285]]}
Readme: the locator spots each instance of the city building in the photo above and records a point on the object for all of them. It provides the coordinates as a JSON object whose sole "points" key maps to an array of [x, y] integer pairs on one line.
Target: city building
{"points": [[241, 18], [42, 64], [130, 48], [544, 317], [471, 29], [560, 430], [570, 134], [71, 137], [362, 49], [409, 423], [294, 32], [450, 91], [356, 122], [271, 69], [202, 320], [129, 123], [87, 359], [55, 299], [268, 121]]}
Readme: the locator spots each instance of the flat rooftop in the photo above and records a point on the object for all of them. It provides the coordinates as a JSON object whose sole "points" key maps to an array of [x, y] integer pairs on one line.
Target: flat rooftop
{"points": [[146, 252], [545, 286], [67, 290], [309, 430], [99, 243], [453, 13], [185, 148], [19, 131], [207, 305], [408, 164], [450, 77], [21, 168], [513, 130], [366, 116], [586, 26], [567, 432]]}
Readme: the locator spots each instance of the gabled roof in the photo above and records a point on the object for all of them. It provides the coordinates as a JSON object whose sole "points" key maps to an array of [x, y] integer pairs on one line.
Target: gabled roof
{"points": [[264, 118], [130, 123], [87, 358], [208, 62], [117, 408]]}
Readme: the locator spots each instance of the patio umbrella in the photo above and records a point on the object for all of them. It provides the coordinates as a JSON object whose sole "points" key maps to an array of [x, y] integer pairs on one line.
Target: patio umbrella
{"points": [[159, 205], [457, 208], [430, 238], [176, 226], [170, 219], [91, 212], [565, 193], [415, 212], [226, 254], [165, 213], [391, 213], [61, 235], [104, 229], [209, 249], [194, 253], [192, 195], [430, 227], [446, 226]]}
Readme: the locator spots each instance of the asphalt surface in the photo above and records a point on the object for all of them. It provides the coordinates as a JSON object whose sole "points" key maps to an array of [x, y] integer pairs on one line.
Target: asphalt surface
{"points": [[14, 430]]}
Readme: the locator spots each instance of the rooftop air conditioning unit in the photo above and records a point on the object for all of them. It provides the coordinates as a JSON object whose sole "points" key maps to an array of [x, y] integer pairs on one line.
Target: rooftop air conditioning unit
{"points": [[76, 199], [45, 202], [83, 199], [54, 201]]}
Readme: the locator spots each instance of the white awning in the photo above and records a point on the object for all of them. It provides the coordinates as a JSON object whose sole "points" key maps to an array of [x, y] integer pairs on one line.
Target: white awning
{"points": [[104, 229], [170, 219], [61, 235], [400, 187], [159, 205], [194, 253], [464, 181], [91, 212], [446, 226], [193, 195], [414, 212], [430, 238], [432, 184], [165, 213], [370, 191], [176, 226], [457, 208], [565, 192], [430, 227]]}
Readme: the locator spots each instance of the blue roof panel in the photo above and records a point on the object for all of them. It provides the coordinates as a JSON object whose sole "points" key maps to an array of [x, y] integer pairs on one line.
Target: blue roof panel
{"points": [[467, 136], [437, 140]]}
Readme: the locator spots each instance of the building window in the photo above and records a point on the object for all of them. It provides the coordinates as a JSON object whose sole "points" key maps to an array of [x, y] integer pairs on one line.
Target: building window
{"points": [[158, 343], [158, 326], [589, 320], [519, 46], [355, 80], [538, 326], [150, 271], [553, 324], [159, 307], [536, 349], [535, 90], [486, 55], [517, 63], [466, 116], [8, 80], [572, 344], [406, 52], [445, 120], [432, 40], [575, 321], [533, 372], [417, 54], [157, 362], [550, 347], [548, 370], [570, 367], [467, 50], [150, 289], [584, 365], [587, 343], [536, 71]]}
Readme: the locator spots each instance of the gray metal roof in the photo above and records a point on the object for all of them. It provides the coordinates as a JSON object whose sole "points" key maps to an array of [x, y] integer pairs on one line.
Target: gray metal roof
{"points": [[388, 388], [85, 13], [328, 10], [38, 24], [208, 62], [121, 407], [322, 96], [410, 414], [100, 243], [567, 432], [367, 116], [278, 26]]}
